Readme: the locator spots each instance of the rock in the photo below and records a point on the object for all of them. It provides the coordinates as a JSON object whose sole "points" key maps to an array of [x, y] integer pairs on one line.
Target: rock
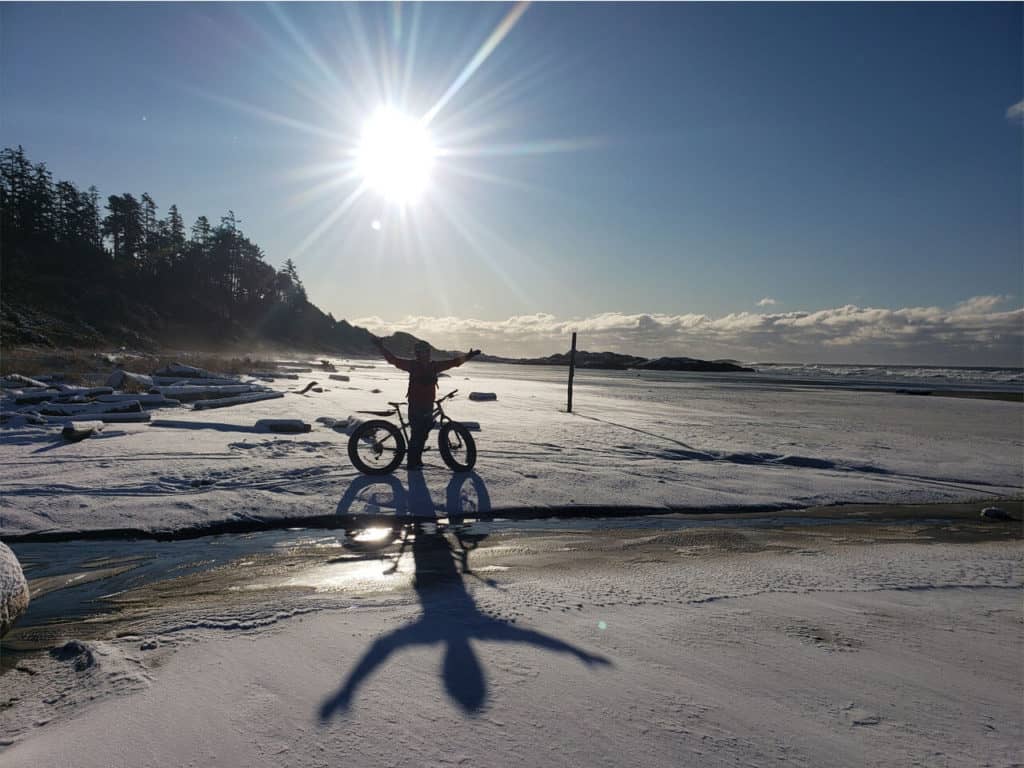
{"points": [[614, 361], [75, 431], [483, 396], [689, 364], [995, 513], [76, 652], [14, 596]]}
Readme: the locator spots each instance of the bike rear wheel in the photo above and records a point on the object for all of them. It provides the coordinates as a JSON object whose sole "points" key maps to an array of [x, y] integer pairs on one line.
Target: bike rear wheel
{"points": [[458, 449], [376, 447]]}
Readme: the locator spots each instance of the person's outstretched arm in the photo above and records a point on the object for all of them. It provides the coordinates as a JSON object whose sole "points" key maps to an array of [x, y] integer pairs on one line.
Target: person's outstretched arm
{"points": [[398, 362], [444, 365]]}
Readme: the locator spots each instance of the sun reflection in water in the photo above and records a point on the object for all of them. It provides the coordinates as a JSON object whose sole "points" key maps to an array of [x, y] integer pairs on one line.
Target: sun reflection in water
{"points": [[372, 534]]}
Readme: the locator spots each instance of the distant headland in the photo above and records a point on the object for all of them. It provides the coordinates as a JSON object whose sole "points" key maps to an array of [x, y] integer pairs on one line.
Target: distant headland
{"points": [[613, 361]]}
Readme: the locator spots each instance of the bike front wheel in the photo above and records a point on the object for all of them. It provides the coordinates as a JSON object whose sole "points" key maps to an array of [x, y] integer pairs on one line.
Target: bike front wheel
{"points": [[376, 447], [458, 449]]}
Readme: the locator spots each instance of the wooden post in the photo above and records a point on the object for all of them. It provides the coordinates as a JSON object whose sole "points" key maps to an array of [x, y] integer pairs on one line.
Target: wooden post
{"points": [[572, 369]]}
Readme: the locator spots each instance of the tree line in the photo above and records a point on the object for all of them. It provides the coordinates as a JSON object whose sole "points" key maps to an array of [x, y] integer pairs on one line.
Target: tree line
{"points": [[117, 261]]}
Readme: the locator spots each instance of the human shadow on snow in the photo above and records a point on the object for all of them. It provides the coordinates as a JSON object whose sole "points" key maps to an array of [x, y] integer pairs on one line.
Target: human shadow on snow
{"points": [[450, 616]]}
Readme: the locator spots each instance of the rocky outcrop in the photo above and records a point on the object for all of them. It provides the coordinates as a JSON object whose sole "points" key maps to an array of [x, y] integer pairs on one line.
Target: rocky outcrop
{"points": [[690, 364], [13, 589], [613, 361]]}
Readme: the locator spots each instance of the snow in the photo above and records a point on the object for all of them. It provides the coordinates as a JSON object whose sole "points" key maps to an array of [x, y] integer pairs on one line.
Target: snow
{"points": [[716, 642], [14, 594], [648, 442], [711, 646], [719, 642]]}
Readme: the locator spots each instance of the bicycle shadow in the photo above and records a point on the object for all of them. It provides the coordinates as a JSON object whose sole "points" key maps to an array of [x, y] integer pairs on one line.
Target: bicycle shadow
{"points": [[384, 499], [450, 616]]}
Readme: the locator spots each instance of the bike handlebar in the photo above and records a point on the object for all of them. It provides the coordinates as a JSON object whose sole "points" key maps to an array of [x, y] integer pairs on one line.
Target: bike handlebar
{"points": [[450, 394]]}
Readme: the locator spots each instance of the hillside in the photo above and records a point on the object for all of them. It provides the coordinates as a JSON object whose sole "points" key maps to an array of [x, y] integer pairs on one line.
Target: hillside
{"points": [[84, 273]]}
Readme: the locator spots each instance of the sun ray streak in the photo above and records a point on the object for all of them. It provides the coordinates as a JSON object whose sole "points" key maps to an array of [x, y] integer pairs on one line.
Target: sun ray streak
{"points": [[310, 194], [459, 221], [266, 114], [297, 74], [410, 54], [298, 38], [369, 69], [493, 178], [324, 225], [485, 50], [503, 95], [543, 147]]}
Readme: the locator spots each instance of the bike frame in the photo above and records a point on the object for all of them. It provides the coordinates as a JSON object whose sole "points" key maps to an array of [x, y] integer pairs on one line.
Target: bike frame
{"points": [[438, 415]]}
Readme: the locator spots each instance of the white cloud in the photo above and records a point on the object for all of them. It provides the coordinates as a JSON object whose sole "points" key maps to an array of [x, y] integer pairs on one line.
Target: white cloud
{"points": [[979, 305], [767, 302], [971, 333], [1016, 111]]}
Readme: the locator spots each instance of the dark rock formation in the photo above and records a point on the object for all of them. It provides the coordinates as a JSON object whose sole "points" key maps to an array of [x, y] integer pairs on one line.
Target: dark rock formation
{"points": [[613, 361]]}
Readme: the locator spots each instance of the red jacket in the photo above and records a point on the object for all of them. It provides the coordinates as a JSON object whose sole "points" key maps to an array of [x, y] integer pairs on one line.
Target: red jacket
{"points": [[422, 376]]}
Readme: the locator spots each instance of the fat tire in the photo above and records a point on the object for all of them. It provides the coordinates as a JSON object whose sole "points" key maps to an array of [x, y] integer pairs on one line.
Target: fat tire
{"points": [[368, 426], [461, 433]]}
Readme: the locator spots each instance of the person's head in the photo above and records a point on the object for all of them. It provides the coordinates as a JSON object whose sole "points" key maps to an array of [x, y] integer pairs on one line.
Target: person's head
{"points": [[422, 350]]}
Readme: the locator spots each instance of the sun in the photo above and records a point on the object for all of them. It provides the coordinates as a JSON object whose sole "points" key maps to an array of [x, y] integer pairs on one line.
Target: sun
{"points": [[395, 156]]}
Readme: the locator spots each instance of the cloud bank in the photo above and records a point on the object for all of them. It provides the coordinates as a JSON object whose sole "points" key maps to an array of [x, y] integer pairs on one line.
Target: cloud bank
{"points": [[974, 332], [1016, 112]]}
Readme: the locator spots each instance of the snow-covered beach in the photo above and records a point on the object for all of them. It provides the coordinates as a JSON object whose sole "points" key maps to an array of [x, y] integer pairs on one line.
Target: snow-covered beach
{"points": [[654, 442], [841, 638]]}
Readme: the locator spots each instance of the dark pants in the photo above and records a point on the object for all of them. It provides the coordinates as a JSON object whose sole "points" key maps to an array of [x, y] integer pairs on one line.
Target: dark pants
{"points": [[420, 420]]}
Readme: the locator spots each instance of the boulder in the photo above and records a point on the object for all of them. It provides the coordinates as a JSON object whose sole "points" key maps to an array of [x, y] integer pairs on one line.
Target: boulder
{"points": [[995, 513], [13, 589]]}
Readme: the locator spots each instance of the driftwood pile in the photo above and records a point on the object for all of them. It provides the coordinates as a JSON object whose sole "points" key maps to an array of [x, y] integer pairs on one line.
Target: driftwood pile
{"points": [[127, 397]]}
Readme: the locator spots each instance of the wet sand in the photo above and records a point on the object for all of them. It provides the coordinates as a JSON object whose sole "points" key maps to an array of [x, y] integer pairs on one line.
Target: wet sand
{"points": [[245, 571]]}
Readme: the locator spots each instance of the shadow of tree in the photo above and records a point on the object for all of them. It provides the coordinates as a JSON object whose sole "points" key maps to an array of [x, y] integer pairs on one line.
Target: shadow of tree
{"points": [[450, 616]]}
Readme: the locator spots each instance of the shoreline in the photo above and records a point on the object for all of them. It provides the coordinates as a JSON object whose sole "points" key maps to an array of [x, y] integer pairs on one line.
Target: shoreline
{"points": [[563, 515]]}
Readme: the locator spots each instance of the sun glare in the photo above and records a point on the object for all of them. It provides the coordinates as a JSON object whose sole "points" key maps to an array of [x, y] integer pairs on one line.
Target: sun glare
{"points": [[395, 156]]}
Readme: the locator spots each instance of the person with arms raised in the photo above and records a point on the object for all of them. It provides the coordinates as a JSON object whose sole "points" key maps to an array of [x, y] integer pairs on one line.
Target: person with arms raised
{"points": [[422, 390]]}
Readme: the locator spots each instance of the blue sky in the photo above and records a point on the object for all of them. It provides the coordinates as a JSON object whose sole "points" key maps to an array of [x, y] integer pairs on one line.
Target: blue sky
{"points": [[797, 174]]}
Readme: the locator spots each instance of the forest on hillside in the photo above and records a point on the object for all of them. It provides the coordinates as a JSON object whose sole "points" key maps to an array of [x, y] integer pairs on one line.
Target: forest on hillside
{"points": [[77, 269]]}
